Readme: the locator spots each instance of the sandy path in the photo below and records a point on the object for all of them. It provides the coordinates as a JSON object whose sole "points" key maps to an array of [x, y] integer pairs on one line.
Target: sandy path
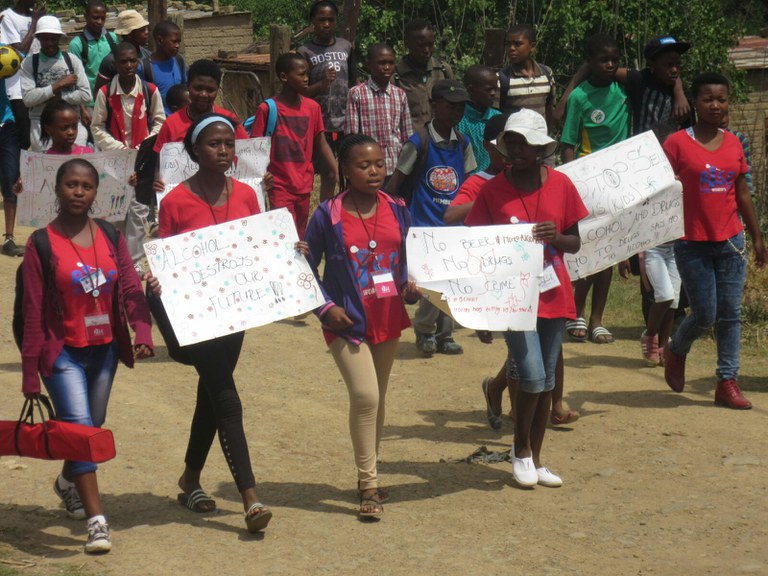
{"points": [[656, 483]]}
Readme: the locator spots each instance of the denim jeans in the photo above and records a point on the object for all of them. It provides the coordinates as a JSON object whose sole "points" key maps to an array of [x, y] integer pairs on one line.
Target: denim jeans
{"points": [[536, 354], [713, 274], [9, 161], [79, 387]]}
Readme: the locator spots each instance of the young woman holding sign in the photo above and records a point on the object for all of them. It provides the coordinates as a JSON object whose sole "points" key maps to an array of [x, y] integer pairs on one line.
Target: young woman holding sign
{"points": [[361, 232], [76, 328], [205, 199], [529, 191]]}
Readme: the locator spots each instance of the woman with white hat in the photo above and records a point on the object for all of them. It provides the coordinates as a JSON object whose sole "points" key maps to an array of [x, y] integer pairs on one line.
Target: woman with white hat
{"points": [[529, 191]]}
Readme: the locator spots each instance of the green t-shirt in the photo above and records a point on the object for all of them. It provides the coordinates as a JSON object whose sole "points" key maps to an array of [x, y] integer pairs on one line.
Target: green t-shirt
{"points": [[597, 117], [98, 48]]}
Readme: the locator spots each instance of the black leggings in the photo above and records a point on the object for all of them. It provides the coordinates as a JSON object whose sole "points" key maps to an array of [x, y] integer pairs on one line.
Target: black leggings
{"points": [[219, 409]]}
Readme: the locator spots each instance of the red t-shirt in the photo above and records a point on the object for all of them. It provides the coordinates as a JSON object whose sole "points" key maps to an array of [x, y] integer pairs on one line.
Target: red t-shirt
{"points": [[557, 201], [385, 318], [77, 150], [290, 160], [74, 263], [709, 185], [183, 211], [176, 126], [471, 188]]}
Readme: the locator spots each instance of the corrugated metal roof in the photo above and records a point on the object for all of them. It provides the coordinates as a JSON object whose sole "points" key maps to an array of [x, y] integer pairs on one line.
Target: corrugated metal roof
{"points": [[750, 54]]}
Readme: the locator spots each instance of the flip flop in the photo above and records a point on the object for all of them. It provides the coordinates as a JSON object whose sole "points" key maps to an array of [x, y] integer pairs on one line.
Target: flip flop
{"points": [[375, 513], [569, 418], [193, 500], [382, 493], [257, 517], [494, 421], [601, 335], [571, 326]]}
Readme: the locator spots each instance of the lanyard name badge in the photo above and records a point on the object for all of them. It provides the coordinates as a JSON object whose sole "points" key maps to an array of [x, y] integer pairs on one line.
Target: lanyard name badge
{"points": [[549, 279], [383, 281], [97, 325]]}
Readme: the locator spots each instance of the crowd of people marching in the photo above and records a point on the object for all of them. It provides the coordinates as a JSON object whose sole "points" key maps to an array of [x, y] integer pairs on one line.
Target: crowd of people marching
{"points": [[408, 146]]}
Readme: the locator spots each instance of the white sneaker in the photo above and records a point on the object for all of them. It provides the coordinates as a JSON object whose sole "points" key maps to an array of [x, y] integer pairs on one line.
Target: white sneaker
{"points": [[524, 471], [548, 478], [99, 541]]}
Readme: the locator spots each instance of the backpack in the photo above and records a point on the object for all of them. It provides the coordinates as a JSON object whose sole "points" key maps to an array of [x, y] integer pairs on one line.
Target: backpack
{"points": [[43, 246], [411, 182], [269, 129], [84, 42], [149, 75], [145, 166], [36, 64]]}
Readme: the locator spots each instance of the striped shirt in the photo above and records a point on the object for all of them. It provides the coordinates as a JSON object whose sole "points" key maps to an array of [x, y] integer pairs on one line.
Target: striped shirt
{"points": [[381, 113], [535, 92]]}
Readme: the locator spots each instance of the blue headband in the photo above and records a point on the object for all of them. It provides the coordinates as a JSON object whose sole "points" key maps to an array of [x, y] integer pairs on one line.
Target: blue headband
{"points": [[207, 122]]}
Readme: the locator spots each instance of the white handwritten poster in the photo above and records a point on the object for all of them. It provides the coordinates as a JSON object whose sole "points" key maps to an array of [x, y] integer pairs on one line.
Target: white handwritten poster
{"points": [[251, 161], [37, 203], [233, 276], [489, 275], [633, 199]]}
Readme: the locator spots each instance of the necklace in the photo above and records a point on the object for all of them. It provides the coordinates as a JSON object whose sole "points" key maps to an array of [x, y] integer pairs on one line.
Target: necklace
{"points": [[371, 238], [538, 199], [210, 204], [95, 292]]}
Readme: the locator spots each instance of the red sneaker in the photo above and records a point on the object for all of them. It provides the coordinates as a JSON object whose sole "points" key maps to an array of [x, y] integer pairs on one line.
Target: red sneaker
{"points": [[674, 370], [729, 395]]}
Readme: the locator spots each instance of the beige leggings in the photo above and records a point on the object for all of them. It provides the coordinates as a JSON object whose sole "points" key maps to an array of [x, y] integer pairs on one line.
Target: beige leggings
{"points": [[365, 370]]}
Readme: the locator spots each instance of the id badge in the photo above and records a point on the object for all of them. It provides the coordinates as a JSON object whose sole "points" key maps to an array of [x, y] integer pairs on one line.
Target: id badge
{"points": [[93, 280], [97, 327], [384, 283], [549, 279]]}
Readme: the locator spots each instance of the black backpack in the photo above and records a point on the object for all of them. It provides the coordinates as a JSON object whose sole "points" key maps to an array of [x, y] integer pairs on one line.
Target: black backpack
{"points": [[84, 42], [145, 166], [43, 246]]}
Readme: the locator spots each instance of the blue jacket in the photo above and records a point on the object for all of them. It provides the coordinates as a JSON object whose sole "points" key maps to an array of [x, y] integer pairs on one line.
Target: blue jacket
{"points": [[339, 286]]}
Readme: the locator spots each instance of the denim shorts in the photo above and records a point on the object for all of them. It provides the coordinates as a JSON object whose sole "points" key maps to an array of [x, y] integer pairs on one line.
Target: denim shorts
{"points": [[535, 353], [79, 387]]}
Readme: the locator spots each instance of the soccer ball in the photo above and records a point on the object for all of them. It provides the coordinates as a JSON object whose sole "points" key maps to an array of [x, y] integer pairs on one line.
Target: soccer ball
{"points": [[10, 61]]}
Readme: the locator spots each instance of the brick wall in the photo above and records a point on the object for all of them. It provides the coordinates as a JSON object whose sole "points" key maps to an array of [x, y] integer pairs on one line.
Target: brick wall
{"points": [[751, 118], [204, 37]]}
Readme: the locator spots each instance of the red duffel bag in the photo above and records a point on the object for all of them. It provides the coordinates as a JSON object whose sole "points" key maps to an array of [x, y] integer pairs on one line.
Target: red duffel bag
{"points": [[51, 439]]}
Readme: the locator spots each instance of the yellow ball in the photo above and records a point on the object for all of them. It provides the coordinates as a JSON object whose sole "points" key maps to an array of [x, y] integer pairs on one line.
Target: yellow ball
{"points": [[10, 61]]}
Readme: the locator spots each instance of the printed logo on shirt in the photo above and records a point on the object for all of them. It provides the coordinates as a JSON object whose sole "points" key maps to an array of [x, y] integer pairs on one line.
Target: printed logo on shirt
{"points": [[290, 149], [81, 272], [712, 180], [363, 267], [443, 180], [597, 116]]}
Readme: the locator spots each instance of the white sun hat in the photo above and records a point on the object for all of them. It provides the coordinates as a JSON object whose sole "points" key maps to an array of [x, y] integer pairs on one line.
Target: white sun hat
{"points": [[531, 126]]}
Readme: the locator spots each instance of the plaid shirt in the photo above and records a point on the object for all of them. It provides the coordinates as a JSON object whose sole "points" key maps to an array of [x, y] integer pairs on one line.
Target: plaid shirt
{"points": [[381, 113]]}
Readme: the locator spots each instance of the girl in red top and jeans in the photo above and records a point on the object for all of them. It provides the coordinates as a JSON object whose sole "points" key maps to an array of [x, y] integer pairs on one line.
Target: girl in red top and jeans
{"points": [[712, 256], [76, 328]]}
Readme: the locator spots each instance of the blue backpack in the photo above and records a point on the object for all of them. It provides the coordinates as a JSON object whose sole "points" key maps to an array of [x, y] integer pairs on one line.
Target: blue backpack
{"points": [[271, 119]]}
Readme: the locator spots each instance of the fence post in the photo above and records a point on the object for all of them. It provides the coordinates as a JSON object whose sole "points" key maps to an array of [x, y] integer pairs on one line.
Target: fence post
{"points": [[279, 43]]}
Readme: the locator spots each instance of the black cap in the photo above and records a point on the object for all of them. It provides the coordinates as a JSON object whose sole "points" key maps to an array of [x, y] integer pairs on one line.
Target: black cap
{"points": [[664, 44], [450, 90]]}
